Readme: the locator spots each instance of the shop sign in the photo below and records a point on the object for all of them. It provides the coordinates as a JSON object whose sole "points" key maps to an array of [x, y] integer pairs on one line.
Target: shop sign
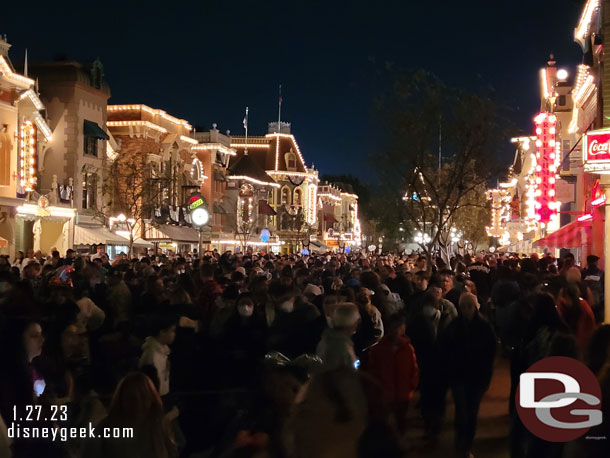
{"points": [[195, 201], [596, 151]]}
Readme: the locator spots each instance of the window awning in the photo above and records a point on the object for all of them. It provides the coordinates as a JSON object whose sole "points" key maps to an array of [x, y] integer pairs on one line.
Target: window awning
{"points": [[522, 247], [219, 209], [318, 246], [91, 129], [183, 234], [328, 218], [265, 209], [568, 236], [141, 243], [95, 235], [219, 176]]}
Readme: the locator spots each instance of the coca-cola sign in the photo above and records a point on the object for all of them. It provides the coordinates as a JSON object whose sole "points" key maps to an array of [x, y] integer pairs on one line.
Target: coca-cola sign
{"points": [[597, 147]]}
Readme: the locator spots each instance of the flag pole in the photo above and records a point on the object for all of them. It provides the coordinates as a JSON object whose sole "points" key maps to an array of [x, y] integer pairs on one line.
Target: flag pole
{"points": [[279, 111], [246, 127]]}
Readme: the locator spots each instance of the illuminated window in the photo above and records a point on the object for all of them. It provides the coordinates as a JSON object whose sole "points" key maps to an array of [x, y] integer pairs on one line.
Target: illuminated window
{"points": [[89, 190], [297, 200], [285, 199], [291, 160]]}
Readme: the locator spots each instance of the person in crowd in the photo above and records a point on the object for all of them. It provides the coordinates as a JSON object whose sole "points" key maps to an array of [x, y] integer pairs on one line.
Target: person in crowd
{"points": [[210, 291], [370, 328], [248, 307], [99, 252], [119, 298], [593, 277], [439, 310], [577, 314], [468, 349], [393, 363], [241, 344], [336, 347], [480, 273], [136, 404], [155, 350]]}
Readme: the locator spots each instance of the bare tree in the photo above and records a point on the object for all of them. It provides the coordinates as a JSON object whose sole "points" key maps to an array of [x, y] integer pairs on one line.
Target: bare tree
{"points": [[131, 189], [439, 157]]}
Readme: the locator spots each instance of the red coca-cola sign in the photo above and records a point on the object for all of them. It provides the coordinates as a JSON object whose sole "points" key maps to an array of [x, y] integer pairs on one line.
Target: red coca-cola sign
{"points": [[597, 147]]}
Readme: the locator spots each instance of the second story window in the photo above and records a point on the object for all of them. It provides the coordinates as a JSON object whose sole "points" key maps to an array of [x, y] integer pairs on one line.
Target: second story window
{"points": [[89, 190], [91, 146], [92, 133]]}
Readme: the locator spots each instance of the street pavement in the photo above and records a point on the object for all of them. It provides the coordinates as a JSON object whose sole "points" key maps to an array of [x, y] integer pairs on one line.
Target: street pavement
{"points": [[491, 438]]}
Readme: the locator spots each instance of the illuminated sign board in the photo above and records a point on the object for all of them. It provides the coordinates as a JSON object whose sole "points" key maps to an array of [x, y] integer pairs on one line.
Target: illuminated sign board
{"points": [[596, 151], [27, 156]]}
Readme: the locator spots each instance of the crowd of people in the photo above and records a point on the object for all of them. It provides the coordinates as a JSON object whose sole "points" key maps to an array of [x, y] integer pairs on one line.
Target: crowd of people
{"points": [[262, 355]]}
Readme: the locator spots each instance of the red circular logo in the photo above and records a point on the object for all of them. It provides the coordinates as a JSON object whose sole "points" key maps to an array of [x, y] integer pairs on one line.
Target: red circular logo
{"points": [[558, 399]]}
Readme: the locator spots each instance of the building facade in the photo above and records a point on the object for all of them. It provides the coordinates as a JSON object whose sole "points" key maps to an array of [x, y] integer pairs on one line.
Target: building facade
{"points": [[24, 136], [295, 200], [155, 171], [73, 165]]}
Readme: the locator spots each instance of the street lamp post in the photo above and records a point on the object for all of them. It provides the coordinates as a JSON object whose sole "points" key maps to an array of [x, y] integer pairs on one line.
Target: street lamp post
{"points": [[199, 218]]}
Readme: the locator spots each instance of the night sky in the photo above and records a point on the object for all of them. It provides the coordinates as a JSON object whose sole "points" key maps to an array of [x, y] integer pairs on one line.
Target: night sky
{"points": [[205, 61]]}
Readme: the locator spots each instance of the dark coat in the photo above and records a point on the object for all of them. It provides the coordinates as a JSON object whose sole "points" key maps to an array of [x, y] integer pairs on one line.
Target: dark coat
{"points": [[468, 348]]}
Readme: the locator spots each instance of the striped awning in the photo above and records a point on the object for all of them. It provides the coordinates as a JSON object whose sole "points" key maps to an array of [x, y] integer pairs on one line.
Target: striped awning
{"points": [[96, 235], [572, 235]]}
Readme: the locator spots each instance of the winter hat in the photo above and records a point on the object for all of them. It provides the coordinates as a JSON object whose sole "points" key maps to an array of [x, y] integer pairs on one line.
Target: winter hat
{"points": [[241, 270], [312, 290], [345, 315]]}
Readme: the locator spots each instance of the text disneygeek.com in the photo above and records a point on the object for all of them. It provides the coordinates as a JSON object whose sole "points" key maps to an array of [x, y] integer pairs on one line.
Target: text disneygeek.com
{"points": [[16, 431]]}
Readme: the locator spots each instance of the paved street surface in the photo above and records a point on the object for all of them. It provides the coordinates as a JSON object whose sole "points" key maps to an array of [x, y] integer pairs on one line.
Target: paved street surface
{"points": [[491, 439]]}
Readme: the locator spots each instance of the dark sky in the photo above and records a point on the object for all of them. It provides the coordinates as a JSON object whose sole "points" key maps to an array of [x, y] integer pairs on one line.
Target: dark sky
{"points": [[205, 61]]}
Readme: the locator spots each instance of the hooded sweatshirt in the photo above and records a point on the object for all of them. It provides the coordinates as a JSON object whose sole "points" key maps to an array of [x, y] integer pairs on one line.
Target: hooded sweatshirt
{"points": [[157, 355], [336, 349]]}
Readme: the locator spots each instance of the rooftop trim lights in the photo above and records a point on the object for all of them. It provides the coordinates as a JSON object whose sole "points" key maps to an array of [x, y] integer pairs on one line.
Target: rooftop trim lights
{"points": [[43, 126], [295, 174], [252, 180], [8, 73], [148, 124], [330, 196], [152, 111], [349, 194], [217, 146], [277, 134], [584, 25], [190, 140], [33, 97], [250, 145]]}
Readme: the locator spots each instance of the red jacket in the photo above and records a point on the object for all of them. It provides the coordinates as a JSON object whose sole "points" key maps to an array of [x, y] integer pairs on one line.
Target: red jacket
{"points": [[394, 366], [586, 323]]}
